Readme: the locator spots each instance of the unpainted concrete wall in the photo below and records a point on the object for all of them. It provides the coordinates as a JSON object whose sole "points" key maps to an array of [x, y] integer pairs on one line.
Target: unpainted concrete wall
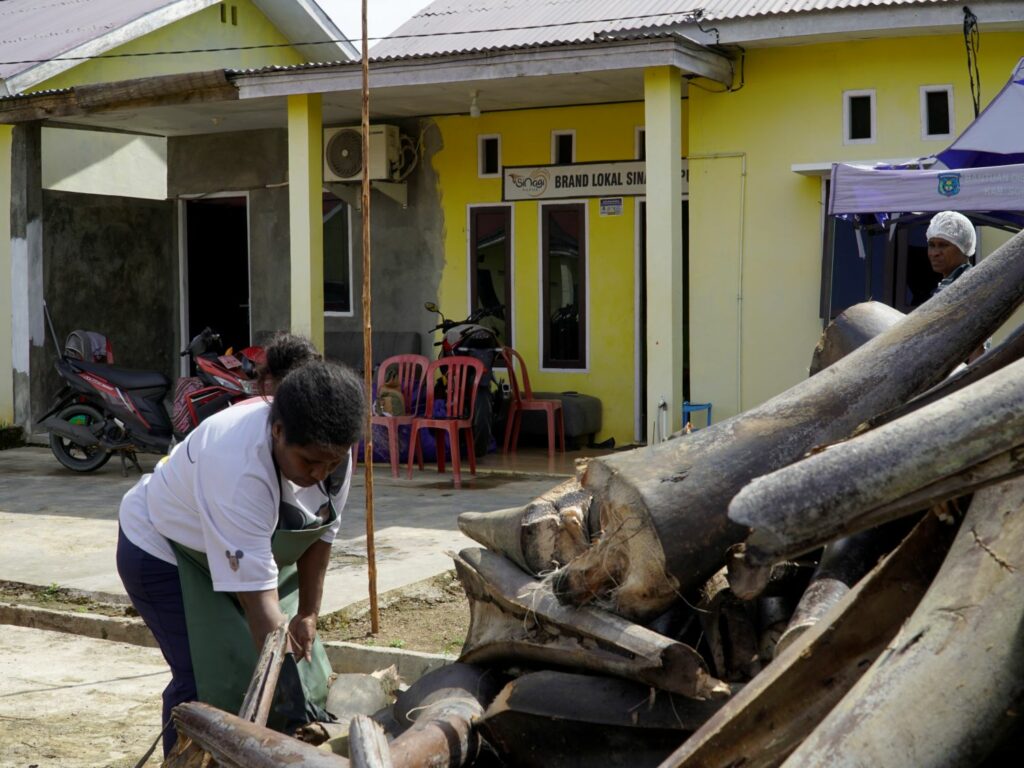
{"points": [[407, 245], [110, 265]]}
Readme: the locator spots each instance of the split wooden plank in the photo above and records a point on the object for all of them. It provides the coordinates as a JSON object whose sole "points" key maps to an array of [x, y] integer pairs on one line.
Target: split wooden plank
{"points": [[663, 508], [368, 746], [773, 713], [237, 743], [515, 618], [950, 683], [263, 684]]}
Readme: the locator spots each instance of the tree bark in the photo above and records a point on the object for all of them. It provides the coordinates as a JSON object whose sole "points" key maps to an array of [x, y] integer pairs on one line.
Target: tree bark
{"points": [[555, 719], [367, 744], [663, 508], [773, 713], [952, 680], [441, 710], [832, 493], [547, 533], [516, 618], [237, 743], [851, 329], [1011, 350]]}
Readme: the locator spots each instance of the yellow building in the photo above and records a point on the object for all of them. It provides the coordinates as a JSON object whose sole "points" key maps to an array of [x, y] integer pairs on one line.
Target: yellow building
{"points": [[705, 280]]}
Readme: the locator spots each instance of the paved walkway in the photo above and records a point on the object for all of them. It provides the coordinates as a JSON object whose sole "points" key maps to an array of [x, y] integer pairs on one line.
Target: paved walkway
{"points": [[60, 527]]}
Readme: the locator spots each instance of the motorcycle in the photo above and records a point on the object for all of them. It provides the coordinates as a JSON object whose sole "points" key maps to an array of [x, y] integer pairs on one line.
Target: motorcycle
{"points": [[470, 337], [103, 409]]}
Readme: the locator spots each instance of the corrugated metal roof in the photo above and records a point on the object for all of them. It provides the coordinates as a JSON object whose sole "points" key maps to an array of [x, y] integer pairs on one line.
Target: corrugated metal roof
{"points": [[463, 26], [42, 29]]}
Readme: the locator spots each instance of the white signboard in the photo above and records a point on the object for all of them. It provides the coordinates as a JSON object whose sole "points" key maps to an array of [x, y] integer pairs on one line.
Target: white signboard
{"points": [[554, 182], [856, 189]]}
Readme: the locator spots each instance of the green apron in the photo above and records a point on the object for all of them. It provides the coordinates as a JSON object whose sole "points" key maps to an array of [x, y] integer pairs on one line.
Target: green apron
{"points": [[223, 654]]}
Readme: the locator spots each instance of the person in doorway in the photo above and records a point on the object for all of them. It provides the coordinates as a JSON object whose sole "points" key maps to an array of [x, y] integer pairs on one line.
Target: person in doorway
{"points": [[951, 245], [231, 534]]}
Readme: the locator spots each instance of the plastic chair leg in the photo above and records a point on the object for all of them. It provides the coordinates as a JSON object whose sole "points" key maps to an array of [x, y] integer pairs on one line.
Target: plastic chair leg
{"points": [[414, 448], [453, 436], [561, 428], [550, 413], [439, 442], [508, 428], [393, 448], [471, 450]]}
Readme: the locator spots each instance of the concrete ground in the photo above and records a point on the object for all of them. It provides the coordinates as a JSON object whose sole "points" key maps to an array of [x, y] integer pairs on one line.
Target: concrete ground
{"points": [[60, 527], [68, 701]]}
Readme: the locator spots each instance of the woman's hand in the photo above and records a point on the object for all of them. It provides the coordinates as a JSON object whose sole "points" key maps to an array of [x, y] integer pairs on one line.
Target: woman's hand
{"points": [[301, 633]]}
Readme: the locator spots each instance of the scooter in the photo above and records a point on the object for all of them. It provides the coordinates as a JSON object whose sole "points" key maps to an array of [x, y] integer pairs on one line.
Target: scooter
{"points": [[470, 337], [104, 409]]}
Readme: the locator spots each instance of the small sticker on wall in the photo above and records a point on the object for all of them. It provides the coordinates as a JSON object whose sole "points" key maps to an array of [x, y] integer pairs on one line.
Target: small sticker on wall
{"points": [[611, 206]]}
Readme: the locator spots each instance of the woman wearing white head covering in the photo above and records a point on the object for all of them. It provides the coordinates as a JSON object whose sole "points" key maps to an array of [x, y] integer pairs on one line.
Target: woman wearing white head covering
{"points": [[951, 241]]}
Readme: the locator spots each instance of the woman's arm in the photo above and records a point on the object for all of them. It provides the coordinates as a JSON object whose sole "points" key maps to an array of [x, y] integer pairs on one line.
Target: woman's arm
{"points": [[263, 613], [312, 568]]}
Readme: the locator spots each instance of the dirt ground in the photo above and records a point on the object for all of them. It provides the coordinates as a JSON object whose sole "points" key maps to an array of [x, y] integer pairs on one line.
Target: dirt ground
{"points": [[430, 616]]}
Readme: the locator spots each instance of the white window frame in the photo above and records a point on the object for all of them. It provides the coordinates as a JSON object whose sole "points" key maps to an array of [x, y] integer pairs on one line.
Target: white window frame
{"points": [[480, 139], [541, 309], [554, 145], [351, 299], [639, 137], [847, 95], [948, 90]]}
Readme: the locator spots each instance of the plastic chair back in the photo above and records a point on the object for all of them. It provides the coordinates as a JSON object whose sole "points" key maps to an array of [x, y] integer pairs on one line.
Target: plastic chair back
{"points": [[462, 373], [519, 377], [411, 376]]}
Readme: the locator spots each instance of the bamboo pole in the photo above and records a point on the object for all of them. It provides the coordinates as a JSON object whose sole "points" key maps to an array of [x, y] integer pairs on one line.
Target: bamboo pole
{"points": [[371, 551]]}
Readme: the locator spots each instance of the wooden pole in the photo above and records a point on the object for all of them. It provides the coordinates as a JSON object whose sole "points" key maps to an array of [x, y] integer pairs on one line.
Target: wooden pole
{"points": [[371, 552]]}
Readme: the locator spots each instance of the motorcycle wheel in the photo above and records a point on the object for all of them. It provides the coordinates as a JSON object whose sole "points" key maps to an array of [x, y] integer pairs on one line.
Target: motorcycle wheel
{"points": [[74, 456]]}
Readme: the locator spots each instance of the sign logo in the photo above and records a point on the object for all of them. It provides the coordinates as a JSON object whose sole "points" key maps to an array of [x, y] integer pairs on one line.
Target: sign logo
{"points": [[534, 184], [949, 184]]}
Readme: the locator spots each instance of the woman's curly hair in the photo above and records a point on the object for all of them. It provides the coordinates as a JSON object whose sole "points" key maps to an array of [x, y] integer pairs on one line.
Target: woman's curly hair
{"points": [[320, 403]]}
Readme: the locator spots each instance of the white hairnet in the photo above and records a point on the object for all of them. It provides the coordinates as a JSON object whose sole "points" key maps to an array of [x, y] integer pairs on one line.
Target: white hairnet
{"points": [[954, 227]]}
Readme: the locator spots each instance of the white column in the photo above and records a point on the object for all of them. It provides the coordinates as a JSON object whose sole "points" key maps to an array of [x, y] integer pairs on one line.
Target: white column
{"points": [[663, 137], [305, 223], [7, 299]]}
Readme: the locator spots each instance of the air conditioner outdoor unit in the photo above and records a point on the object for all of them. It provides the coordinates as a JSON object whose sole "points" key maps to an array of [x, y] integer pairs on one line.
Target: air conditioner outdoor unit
{"points": [[343, 153]]}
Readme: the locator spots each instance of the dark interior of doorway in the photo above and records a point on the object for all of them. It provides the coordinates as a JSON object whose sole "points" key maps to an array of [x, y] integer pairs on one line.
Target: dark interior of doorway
{"points": [[642, 277], [217, 243]]}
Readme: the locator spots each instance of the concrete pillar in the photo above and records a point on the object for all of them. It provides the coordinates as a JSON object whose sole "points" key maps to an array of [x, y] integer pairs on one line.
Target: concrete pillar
{"points": [[305, 220], [663, 137], [28, 327], [7, 299]]}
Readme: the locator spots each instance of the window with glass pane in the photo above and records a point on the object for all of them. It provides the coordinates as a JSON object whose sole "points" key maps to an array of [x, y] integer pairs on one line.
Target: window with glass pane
{"points": [[337, 264], [490, 237], [564, 286]]}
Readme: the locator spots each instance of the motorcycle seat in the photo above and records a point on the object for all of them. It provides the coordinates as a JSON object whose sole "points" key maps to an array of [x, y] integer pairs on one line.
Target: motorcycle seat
{"points": [[127, 378]]}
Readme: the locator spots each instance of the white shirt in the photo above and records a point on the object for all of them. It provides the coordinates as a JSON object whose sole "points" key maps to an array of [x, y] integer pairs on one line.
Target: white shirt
{"points": [[220, 493]]}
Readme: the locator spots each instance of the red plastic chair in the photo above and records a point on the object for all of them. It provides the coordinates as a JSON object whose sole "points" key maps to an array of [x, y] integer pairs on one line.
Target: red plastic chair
{"points": [[523, 400], [462, 373], [411, 375]]}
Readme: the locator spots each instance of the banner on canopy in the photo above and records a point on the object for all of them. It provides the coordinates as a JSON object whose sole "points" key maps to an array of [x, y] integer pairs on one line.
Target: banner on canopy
{"points": [[862, 190]]}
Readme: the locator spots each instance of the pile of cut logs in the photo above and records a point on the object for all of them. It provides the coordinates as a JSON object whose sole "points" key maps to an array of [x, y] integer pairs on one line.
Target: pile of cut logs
{"points": [[832, 578]]}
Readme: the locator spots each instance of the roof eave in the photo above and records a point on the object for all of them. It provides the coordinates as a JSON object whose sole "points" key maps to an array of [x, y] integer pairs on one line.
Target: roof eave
{"points": [[305, 21], [34, 74], [495, 65]]}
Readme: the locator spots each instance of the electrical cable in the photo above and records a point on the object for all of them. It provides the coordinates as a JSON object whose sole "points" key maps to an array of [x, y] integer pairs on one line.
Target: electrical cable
{"points": [[685, 17], [972, 41]]}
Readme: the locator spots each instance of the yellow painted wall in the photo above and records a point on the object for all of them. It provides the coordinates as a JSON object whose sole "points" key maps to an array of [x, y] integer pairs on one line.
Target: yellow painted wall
{"points": [[602, 133], [790, 111], [200, 30]]}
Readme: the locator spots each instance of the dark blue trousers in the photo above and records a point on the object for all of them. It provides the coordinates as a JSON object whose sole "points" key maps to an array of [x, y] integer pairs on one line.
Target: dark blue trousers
{"points": [[155, 591]]}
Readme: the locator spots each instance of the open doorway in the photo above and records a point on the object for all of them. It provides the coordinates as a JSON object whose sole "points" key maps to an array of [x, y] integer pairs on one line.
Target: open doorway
{"points": [[642, 426], [217, 268]]}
